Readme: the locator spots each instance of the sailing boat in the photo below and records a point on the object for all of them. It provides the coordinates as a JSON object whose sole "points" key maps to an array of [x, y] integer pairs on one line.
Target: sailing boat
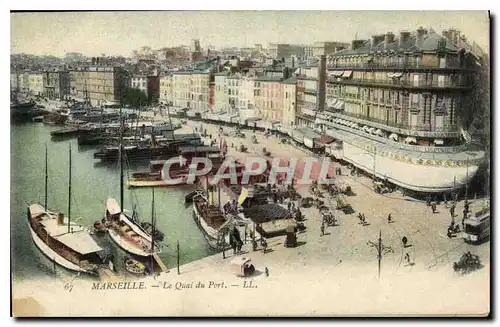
{"points": [[67, 244], [124, 230]]}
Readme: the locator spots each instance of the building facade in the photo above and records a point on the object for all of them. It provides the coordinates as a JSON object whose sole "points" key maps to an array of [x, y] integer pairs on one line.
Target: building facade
{"points": [[233, 92], [200, 91], [35, 83], [181, 85], [102, 84], [139, 82], [56, 84], [397, 103], [221, 101], [289, 103], [278, 51], [269, 98], [165, 89]]}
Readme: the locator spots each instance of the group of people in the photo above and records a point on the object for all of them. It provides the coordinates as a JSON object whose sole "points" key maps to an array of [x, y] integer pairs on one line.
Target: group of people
{"points": [[231, 207]]}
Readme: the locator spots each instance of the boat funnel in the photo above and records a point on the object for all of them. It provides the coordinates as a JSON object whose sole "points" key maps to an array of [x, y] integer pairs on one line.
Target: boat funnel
{"points": [[60, 218]]}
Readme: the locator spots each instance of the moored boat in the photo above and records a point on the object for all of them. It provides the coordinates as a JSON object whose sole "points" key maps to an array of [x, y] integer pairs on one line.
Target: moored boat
{"points": [[66, 243], [134, 267]]}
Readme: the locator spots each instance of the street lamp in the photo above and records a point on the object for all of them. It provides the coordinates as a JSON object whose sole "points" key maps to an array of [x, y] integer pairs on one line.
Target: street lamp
{"points": [[380, 248]]}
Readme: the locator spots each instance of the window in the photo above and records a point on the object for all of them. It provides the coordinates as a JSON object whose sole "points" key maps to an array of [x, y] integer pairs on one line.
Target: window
{"points": [[417, 61], [413, 120], [415, 98], [415, 80], [441, 80], [442, 62], [439, 122]]}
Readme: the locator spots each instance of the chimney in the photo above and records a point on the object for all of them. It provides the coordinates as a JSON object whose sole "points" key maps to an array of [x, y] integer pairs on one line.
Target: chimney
{"points": [[420, 34], [403, 37], [356, 44], [389, 38]]}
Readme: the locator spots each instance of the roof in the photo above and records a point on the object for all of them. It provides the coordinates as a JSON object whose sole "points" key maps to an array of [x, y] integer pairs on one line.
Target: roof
{"points": [[78, 240], [291, 80], [268, 79], [430, 42]]}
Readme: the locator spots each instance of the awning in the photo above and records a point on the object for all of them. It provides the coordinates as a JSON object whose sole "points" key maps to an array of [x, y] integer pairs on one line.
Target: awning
{"points": [[390, 75], [410, 139], [438, 141], [394, 137], [379, 132], [337, 73], [365, 128], [356, 126], [372, 130], [347, 73], [397, 75], [324, 139]]}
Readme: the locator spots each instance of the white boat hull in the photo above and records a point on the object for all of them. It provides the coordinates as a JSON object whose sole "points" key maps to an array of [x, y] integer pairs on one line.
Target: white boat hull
{"points": [[126, 246], [52, 255]]}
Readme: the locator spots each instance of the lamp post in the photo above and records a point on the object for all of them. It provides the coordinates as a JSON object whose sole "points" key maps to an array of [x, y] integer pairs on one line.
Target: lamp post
{"points": [[380, 248]]}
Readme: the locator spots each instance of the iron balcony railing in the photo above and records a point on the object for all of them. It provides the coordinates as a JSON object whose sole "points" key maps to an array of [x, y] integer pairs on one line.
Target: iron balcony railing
{"points": [[418, 127], [388, 141], [396, 65], [400, 83]]}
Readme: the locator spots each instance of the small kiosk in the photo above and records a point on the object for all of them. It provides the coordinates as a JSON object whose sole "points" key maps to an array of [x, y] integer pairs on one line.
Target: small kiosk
{"points": [[242, 267]]}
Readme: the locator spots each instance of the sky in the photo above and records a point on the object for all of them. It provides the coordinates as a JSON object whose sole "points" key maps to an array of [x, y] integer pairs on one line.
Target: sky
{"points": [[119, 33]]}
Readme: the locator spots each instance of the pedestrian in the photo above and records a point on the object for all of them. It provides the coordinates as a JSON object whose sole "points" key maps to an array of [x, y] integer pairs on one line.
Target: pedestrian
{"points": [[289, 206], [452, 210], [267, 272], [389, 219], [466, 206], [407, 258], [322, 229], [433, 206]]}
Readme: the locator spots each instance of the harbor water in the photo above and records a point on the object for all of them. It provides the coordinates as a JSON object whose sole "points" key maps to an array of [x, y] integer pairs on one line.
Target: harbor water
{"points": [[92, 183]]}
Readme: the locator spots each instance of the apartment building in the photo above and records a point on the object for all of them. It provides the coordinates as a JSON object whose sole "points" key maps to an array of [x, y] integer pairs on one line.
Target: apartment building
{"points": [[289, 103], [233, 90], [269, 98], [102, 84], [191, 89], [165, 95], [221, 98], [56, 84], [35, 83], [139, 82], [278, 51]]}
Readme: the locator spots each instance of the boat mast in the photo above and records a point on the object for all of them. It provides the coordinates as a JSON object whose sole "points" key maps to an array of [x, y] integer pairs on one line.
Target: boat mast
{"points": [[152, 229], [121, 160], [46, 177], [170, 122], [69, 190]]}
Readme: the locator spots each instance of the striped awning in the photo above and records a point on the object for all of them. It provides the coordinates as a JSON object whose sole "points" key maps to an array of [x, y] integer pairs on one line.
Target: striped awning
{"points": [[347, 73]]}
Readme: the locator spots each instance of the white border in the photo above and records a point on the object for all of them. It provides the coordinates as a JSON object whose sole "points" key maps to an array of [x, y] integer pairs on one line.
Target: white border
{"points": [[256, 4]]}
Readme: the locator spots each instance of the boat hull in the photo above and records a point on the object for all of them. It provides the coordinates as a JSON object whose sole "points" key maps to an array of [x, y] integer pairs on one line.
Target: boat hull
{"points": [[125, 246], [51, 254]]}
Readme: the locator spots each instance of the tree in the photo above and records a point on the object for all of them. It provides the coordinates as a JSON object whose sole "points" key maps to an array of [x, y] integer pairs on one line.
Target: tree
{"points": [[134, 98]]}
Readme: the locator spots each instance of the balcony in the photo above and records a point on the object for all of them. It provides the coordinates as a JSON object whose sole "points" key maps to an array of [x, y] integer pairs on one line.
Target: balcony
{"points": [[305, 77], [392, 143], [308, 112], [401, 84], [418, 130], [309, 91], [397, 65]]}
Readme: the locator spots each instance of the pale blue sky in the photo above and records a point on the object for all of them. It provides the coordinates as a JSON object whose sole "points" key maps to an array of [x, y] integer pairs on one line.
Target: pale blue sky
{"points": [[121, 32]]}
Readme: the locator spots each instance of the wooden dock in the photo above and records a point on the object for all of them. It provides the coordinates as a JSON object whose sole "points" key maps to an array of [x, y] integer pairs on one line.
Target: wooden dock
{"points": [[160, 263], [107, 275]]}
